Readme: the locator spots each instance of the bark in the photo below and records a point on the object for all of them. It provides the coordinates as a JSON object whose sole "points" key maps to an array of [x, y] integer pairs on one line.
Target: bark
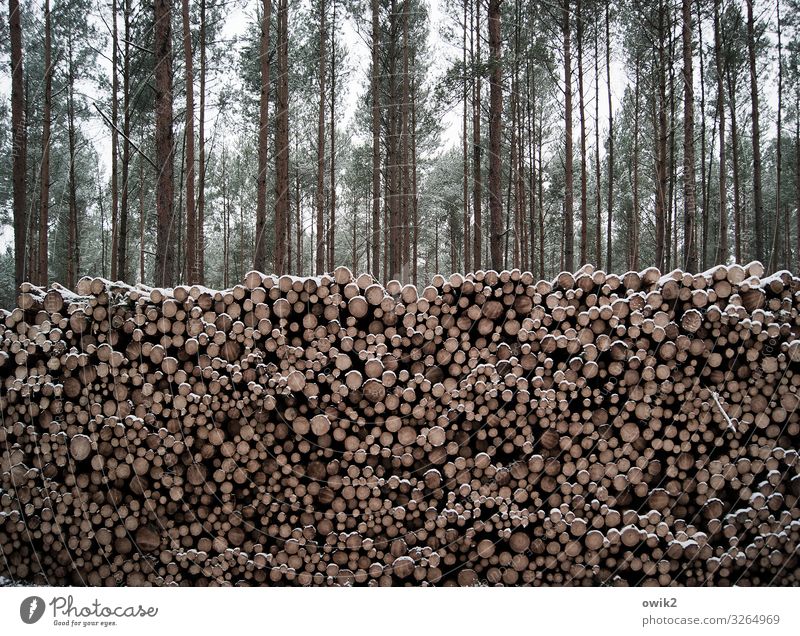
{"points": [[73, 236], [774, 260], [475, 54], [191, 220], [569, 240], [376, 147], [582, 114], [259, 256], [661, 144], [758, 203], [633, 249], [610, 185], [282, 140], [122, 237], [737, 214], [332, 180], [703, 183], [320, 261], [495, 124], [467, 241], [598, 249], [165, 145], [44, 199], [404, 157], [689, 241], [722, 250], [19, 142], [114, 142], [414, 206], [201, 164]]}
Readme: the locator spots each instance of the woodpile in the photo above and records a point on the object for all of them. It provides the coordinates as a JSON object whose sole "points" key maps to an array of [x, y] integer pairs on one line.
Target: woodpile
{"points": [[489, 430]]}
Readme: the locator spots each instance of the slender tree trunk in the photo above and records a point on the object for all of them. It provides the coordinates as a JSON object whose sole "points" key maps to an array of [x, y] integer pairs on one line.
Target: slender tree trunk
{"points": [[332, 180], [758, 204], [582, 113], [540, 186], [259, 255], [122, 236], [165, 145], [704, 190], [737, 237], [569, 240], [282, 140], [475, 51], [414, 205], [722, 251], [661, 144], [467, 240], [633, 253], [774, 261], [201, 151], [689, 242], [671, 230], [610, 184], [797, 171], [320, 264], [404, 158], [225, 223], [114, 142], [598, 245], [376, 141], [495, 131], [19, 142], [142, 219], [44, 200], [191, 221], [73, 236]]}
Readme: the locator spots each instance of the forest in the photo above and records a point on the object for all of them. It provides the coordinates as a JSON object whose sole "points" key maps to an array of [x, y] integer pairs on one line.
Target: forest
{"points": [[171, 143]]}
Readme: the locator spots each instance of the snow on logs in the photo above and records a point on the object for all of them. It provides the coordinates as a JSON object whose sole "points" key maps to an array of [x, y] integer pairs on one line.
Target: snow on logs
{"points": [[491, 429]]}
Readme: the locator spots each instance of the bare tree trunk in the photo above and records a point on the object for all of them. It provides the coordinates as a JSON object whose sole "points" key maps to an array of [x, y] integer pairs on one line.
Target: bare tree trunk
{"points": [[226, 252], [774, 261], [689, 242], [142, 220], [467, 240], [758, 204], [332, 180], [414, 206], [114, 142], [704, 190], [165, 145], [661, 144], [73, 237], [569, 240], [722, 251], [582, 113], [598, 245], [320, 264], [259, 255], [610, 185], [475, 55], [376, 141], [19, 142], [44, 200], [282, 140], [737, 236], [201, 165], [191, 221], [633, 248], [495, 131], [122, 236], [404, 159]]}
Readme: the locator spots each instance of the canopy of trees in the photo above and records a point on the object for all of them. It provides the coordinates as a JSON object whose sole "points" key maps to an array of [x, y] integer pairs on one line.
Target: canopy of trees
{"points": [[169, 143]]}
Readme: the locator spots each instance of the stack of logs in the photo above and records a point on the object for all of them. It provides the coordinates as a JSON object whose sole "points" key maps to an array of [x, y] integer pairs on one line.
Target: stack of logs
{"points": [[491, 430]]}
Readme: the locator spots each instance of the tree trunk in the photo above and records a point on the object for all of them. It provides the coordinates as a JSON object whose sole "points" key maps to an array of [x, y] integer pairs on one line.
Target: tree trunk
{"points": [[191, 221], [114, 142], [332, 179], [259, 255], [569, 240], [704, 190], [475, 55], [165, 145], [73, 236], [282, 140], [661, 145], [404, 157], [633, 248], [582, 113], [689, 242], [610, 184], [142, 219], [376, 141], [320, 262], [19, 142], [598, 249], [414, 206], [758, 204], [122, 236], [467, 240], [737, 236], [44, 200], [201, 165], [495, 131], [774, 261], [722, 250]]}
